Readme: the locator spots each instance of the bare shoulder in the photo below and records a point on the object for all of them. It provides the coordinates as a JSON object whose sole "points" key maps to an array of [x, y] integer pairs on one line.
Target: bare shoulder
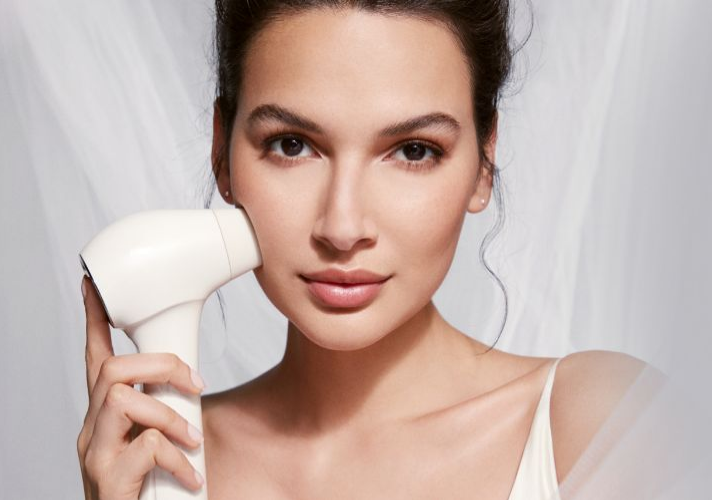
{"points": [[587, 387]]}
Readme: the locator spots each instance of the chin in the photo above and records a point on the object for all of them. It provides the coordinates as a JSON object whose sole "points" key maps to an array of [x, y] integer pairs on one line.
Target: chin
{"points": [[339, 332]]}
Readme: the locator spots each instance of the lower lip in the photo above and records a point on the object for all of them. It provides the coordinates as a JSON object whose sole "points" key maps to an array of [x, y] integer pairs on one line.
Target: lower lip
{"points": [[342, 295]]}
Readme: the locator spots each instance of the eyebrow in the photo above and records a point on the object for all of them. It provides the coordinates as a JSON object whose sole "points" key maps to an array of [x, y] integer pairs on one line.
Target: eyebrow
{"points": [[267, 112]]}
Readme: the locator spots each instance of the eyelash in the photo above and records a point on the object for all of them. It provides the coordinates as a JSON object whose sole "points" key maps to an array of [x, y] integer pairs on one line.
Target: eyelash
{"points": [[421, 165]]}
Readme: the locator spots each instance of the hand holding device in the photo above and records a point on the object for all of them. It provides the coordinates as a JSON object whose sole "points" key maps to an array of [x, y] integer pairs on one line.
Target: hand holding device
{"points": [[113, 464], [153, 272]]}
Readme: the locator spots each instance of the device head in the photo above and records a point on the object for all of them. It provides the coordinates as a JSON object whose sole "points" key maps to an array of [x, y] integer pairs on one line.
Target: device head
{"points": [[150, 261]]}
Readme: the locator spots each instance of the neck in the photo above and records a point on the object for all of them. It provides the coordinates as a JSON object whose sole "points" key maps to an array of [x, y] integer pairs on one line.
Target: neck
{"points": [[422, 366]]}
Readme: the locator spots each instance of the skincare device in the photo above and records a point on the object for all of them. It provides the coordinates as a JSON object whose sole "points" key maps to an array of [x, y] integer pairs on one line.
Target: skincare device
{"points": [[154, 270]]}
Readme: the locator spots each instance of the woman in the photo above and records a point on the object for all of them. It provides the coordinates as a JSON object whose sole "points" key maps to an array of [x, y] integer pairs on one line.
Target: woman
{"points": [[356, 136]]}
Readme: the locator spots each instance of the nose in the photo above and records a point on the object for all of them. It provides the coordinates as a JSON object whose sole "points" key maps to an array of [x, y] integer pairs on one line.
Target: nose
{"points": [[344, 222]]}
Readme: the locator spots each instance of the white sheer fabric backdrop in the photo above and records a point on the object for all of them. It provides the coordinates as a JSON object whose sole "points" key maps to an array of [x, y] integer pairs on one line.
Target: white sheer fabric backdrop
{"points": [[105, 110]]}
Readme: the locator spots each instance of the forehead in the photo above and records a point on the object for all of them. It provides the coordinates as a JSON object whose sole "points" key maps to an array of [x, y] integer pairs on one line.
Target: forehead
{"points": [[347, 64]]}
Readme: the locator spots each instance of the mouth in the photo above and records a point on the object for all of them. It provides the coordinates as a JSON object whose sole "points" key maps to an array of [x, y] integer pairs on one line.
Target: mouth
{"points": [[351, 290]]}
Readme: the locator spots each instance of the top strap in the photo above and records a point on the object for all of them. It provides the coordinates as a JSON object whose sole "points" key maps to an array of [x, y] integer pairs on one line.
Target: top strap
{"points": [[536, 476], [546, 393]]}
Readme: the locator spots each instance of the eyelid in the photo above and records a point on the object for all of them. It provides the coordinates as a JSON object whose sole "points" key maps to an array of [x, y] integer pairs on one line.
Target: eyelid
{"points": [[265, 143], [437, 150]]}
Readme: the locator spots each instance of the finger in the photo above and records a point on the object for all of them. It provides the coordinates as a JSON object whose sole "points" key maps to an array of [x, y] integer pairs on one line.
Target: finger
{"points": [[153, 449], [146, 368], [98, 341], [125, 406]]}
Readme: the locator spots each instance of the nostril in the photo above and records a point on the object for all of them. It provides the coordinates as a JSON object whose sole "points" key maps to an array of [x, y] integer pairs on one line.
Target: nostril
{"points": [[345, 235], [340, 237], [339, 244], [343, 227], [343, 248]]}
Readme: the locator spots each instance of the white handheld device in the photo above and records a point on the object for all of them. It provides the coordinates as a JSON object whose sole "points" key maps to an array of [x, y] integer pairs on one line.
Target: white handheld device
{"points": [[154, 270]]}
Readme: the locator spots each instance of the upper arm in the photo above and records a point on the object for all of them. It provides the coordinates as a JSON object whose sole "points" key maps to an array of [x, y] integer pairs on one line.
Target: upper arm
{"points": [[587, 387]]}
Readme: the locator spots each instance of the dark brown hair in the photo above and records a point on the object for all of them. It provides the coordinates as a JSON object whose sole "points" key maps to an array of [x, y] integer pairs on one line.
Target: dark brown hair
{"points": [[482, 28]]}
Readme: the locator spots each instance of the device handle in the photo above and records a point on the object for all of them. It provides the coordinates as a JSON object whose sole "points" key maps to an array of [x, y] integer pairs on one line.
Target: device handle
{"points": [[174, 330]]}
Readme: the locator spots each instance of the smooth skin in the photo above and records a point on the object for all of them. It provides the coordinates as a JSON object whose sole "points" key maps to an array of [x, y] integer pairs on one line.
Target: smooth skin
{"points": [[384, 401]]}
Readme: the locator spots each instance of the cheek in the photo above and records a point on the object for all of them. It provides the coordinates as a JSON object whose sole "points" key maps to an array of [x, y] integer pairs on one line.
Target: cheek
{"points": [[276, 215], [426, 222], [283, 226], [426, 247]]}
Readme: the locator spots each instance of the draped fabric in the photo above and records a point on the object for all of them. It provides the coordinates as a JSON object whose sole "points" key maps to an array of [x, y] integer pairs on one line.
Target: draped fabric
{"points": [[106, 109]]}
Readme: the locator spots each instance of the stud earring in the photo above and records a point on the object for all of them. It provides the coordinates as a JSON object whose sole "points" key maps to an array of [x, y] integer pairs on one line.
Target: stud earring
{"points": [[227, 193], [482, 200]]}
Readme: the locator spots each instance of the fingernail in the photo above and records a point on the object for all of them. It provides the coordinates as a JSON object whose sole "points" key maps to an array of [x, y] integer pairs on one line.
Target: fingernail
{"points": [[197, 379], [195, 434], [84, 288], [199, 478]]}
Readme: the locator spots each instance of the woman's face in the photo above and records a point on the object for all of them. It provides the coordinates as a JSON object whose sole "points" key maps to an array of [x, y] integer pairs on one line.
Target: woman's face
{"points": [[354, 147]]}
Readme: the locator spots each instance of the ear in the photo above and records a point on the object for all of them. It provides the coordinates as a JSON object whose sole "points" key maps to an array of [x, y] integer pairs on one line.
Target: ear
{"points": [[483, 183], [221, 168]]}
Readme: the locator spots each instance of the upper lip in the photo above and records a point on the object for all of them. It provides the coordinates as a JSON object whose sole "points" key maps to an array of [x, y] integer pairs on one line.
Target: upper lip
{"points": [[334, 275]]}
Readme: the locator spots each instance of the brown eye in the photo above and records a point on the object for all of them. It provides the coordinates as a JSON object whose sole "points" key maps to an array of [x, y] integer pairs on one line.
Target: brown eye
{"points": [[418, 154], [289, 147], [414, 151]]}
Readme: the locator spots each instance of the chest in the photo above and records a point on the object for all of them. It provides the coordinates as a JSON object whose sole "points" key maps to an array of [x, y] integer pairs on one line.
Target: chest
{"points": [[459, 455]]}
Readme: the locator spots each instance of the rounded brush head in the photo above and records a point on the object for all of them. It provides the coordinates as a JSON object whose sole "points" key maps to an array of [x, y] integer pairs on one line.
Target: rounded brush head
{"points": [[150, 261]]}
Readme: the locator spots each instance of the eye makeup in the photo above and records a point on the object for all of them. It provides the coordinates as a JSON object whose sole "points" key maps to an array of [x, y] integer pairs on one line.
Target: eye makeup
{"points": [[431, 160]]}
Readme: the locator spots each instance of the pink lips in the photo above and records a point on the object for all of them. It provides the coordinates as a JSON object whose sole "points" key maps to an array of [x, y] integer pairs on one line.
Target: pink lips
{"points": [[337, 288]]}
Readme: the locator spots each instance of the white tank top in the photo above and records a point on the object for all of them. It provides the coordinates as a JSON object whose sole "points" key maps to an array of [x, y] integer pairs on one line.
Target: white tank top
{"points": [[536, 476]]}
